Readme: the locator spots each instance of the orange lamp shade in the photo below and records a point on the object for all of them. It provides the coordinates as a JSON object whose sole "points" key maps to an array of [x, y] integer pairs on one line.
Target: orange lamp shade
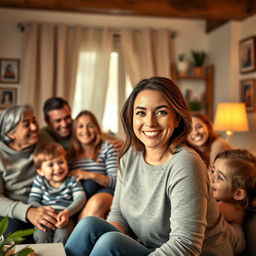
{"points": [[231, 116]]}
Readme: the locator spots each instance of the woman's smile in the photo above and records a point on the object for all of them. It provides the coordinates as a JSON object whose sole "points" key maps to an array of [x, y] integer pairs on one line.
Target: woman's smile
{"points": [[151, 133]]}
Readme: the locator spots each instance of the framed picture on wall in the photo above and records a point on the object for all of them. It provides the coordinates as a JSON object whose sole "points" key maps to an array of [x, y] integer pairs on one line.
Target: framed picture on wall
{"points": [[8, 97], [9, 70], [247, 54], [248, 93]]}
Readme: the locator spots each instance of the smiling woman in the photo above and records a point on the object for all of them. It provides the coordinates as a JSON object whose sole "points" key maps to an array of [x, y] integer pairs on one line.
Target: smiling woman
{"points": [[94, 162], [153, 123], [25, 133], [18, 139], [162, 196]]}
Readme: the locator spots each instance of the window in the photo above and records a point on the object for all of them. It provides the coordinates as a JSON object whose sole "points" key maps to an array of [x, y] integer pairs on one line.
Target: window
{"points": [[110, 118], [85, 76], [83, 93]]}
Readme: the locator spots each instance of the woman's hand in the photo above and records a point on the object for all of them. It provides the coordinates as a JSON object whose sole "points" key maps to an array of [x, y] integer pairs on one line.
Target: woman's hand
{"points": [[63, 219], [99, 178], [81, 174], [42, 217]]}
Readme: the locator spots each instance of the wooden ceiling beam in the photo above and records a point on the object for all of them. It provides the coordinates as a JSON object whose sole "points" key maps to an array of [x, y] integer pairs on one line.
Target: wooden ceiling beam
{"points": [[213, 24], [214, 11]]}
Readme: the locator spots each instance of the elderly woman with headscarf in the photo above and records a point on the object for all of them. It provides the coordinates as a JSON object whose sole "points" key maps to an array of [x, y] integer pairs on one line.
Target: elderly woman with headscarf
{"points": [[18, 139]]}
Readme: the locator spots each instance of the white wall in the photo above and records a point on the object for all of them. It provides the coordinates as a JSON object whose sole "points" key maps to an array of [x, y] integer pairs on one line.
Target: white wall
{"points": [[190, 33], [224, 49], [247, 29], [221, 46]]}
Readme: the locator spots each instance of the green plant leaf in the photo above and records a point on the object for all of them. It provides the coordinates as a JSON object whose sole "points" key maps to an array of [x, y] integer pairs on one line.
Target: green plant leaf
{"points": [[8, 249], [198, 57], [14, 238], [3, 225], [2, 243], [21, 233], [24, 251]]}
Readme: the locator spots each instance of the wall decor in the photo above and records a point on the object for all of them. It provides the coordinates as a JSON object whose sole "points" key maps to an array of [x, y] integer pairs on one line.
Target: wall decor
{"points": [[248, 93], [9, 70], [247, 54], [8, 97]]}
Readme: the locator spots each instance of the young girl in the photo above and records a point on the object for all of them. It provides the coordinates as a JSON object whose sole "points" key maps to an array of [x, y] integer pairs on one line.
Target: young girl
{"points": [[94, 162], [233, 180], [204, 137]]}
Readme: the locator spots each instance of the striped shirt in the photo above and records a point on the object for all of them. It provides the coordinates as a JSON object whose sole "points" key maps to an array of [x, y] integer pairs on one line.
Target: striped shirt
{"points": [[70, 195], [106, 163]]}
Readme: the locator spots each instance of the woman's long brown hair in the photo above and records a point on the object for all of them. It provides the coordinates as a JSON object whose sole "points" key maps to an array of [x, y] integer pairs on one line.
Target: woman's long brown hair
{"points": [[174, 97]]}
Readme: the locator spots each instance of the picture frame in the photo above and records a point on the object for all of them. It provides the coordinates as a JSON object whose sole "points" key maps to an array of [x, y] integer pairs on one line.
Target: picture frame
{"points": [[248, 93], [8, 97], [9, 70], [247, 54]]}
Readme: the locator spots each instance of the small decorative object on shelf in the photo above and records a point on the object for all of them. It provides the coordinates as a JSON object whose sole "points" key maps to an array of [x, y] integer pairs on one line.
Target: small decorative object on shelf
{"points": [[183, 65], [8, 243], [195, 105], [198, 58], [189, 85]]}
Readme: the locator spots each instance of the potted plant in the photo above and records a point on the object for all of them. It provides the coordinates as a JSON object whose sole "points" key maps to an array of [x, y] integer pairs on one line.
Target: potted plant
{"points": [[7, 244], [198, 59], [194, 105], [183, 65]]}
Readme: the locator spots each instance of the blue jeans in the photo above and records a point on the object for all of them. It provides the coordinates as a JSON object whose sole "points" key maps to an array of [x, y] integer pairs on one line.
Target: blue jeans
{"points": [[96, 237]]}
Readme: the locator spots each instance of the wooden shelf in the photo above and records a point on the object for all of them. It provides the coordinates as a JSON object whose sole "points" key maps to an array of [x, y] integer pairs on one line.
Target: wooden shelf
{"points": [[208, 80], [190, 77]]}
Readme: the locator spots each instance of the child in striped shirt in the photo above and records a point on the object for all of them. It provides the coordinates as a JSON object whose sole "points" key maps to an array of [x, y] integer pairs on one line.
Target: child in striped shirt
{"points": [[52, 187]]}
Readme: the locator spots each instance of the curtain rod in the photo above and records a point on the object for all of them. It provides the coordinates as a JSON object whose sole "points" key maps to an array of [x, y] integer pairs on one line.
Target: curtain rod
{"points": [[22, 27]]}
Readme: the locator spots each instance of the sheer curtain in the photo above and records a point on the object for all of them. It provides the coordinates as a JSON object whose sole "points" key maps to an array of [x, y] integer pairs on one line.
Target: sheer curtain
{"points": [[93, 71], [146, 53], [73, 62], [49, 65]]}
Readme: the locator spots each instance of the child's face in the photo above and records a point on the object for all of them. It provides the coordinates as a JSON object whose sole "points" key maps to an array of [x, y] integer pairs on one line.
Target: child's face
{"points": [[199, 133], [54, 170], [221, 180]]}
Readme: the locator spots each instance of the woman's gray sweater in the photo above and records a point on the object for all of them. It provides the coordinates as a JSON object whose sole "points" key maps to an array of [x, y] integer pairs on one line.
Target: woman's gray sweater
{"points": [[170, 207], [17, 172]]}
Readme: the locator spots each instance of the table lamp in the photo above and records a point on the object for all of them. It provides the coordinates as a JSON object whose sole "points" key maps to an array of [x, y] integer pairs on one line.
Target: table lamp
{"points": [[231, 117]]}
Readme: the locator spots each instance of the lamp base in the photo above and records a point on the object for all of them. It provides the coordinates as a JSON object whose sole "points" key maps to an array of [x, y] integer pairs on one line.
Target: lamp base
{"points": [[229, 133]]}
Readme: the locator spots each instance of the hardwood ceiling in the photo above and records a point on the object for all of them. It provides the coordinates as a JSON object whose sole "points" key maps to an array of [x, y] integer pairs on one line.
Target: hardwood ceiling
{"points": [[214, 12]]}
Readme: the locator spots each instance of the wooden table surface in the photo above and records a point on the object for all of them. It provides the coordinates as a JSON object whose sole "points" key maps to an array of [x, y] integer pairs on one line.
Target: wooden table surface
{"points": [[52, 249]]}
